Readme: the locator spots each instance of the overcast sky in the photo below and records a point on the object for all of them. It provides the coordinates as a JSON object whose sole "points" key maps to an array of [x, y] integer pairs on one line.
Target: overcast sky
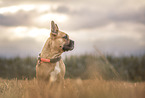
{"points": [[113, 26]]}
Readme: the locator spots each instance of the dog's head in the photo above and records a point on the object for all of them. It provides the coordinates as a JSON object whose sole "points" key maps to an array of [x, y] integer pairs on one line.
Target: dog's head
{"points": [[60, 40]]}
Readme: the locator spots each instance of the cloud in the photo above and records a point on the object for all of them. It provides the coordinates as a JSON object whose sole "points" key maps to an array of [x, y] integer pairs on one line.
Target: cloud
{"points": [[131, 16], [80, 16], [113, 26], [62, 9], [20, 47], [92, 18], [20, 18], [120, 46]]}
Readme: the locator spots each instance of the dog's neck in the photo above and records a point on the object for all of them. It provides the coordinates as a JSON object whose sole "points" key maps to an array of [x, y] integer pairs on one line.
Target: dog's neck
{"points": [[48, 51]]}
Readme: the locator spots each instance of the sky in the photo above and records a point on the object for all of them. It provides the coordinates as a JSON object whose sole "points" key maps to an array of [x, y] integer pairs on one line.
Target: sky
{"points": [[115, 27]]}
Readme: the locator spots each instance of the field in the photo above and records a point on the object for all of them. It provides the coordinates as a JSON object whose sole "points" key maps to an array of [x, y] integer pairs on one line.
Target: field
{"points": [[87, 76], [74, 88]]}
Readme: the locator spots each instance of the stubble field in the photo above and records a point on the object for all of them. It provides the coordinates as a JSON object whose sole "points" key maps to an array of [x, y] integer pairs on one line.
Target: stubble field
{"points": [[74, 88]]}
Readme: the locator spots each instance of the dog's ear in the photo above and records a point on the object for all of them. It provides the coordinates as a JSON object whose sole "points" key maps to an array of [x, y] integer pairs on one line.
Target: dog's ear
{"points": [[54, 28]]}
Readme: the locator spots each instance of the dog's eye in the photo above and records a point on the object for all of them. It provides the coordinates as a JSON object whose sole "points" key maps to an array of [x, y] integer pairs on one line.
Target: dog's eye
{"points": [[65, 37]]}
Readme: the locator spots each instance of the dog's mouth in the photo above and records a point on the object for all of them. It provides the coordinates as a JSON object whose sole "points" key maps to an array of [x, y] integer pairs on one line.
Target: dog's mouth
{"points": [[70, 46]]}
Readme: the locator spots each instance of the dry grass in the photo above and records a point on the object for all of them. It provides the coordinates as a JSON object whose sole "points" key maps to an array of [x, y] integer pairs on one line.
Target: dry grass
{"points": [[74, 88]]}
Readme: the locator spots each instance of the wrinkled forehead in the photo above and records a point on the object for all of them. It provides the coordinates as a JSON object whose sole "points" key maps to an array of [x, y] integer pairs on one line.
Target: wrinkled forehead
{"points": [[61, 34]]}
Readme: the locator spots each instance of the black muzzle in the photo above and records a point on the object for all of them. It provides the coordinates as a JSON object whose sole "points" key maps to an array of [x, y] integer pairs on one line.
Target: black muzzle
{"points": [[69, 46]]}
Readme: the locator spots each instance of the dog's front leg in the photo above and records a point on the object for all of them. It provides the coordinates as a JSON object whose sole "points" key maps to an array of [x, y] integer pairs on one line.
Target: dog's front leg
{"points": [[62, 73]]}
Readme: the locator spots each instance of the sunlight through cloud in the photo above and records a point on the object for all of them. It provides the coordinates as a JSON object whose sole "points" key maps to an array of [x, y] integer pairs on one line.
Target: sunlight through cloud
{"points": [[14, 9], [52, 16], [24, 32]]}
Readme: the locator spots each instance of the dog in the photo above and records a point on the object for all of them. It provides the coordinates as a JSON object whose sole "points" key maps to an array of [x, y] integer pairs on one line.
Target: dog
{"points": [[50, 66]]}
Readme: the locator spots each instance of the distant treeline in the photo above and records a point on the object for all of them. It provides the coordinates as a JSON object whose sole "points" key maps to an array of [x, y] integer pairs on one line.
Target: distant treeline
{"points": [[85, 66]]}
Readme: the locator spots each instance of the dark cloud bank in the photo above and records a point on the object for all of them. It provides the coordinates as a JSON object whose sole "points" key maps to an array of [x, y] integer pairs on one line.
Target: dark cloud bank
{"points": [[79, 18]]}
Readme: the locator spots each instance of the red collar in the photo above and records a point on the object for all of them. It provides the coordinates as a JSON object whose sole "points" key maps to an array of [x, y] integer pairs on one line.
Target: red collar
{"points": [[54, 60], [45, 60]]}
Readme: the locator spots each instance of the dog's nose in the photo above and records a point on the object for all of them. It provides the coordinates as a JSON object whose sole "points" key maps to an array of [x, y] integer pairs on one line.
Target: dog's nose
{"points": [[72, 42], [71, 45]]}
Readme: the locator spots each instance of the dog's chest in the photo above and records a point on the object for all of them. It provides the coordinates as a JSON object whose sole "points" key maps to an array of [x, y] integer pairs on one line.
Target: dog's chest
{"points": [[53, 74]]}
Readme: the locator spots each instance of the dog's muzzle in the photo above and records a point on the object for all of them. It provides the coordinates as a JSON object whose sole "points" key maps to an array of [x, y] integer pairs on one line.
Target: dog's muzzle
{"points": [[69, 46]]}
